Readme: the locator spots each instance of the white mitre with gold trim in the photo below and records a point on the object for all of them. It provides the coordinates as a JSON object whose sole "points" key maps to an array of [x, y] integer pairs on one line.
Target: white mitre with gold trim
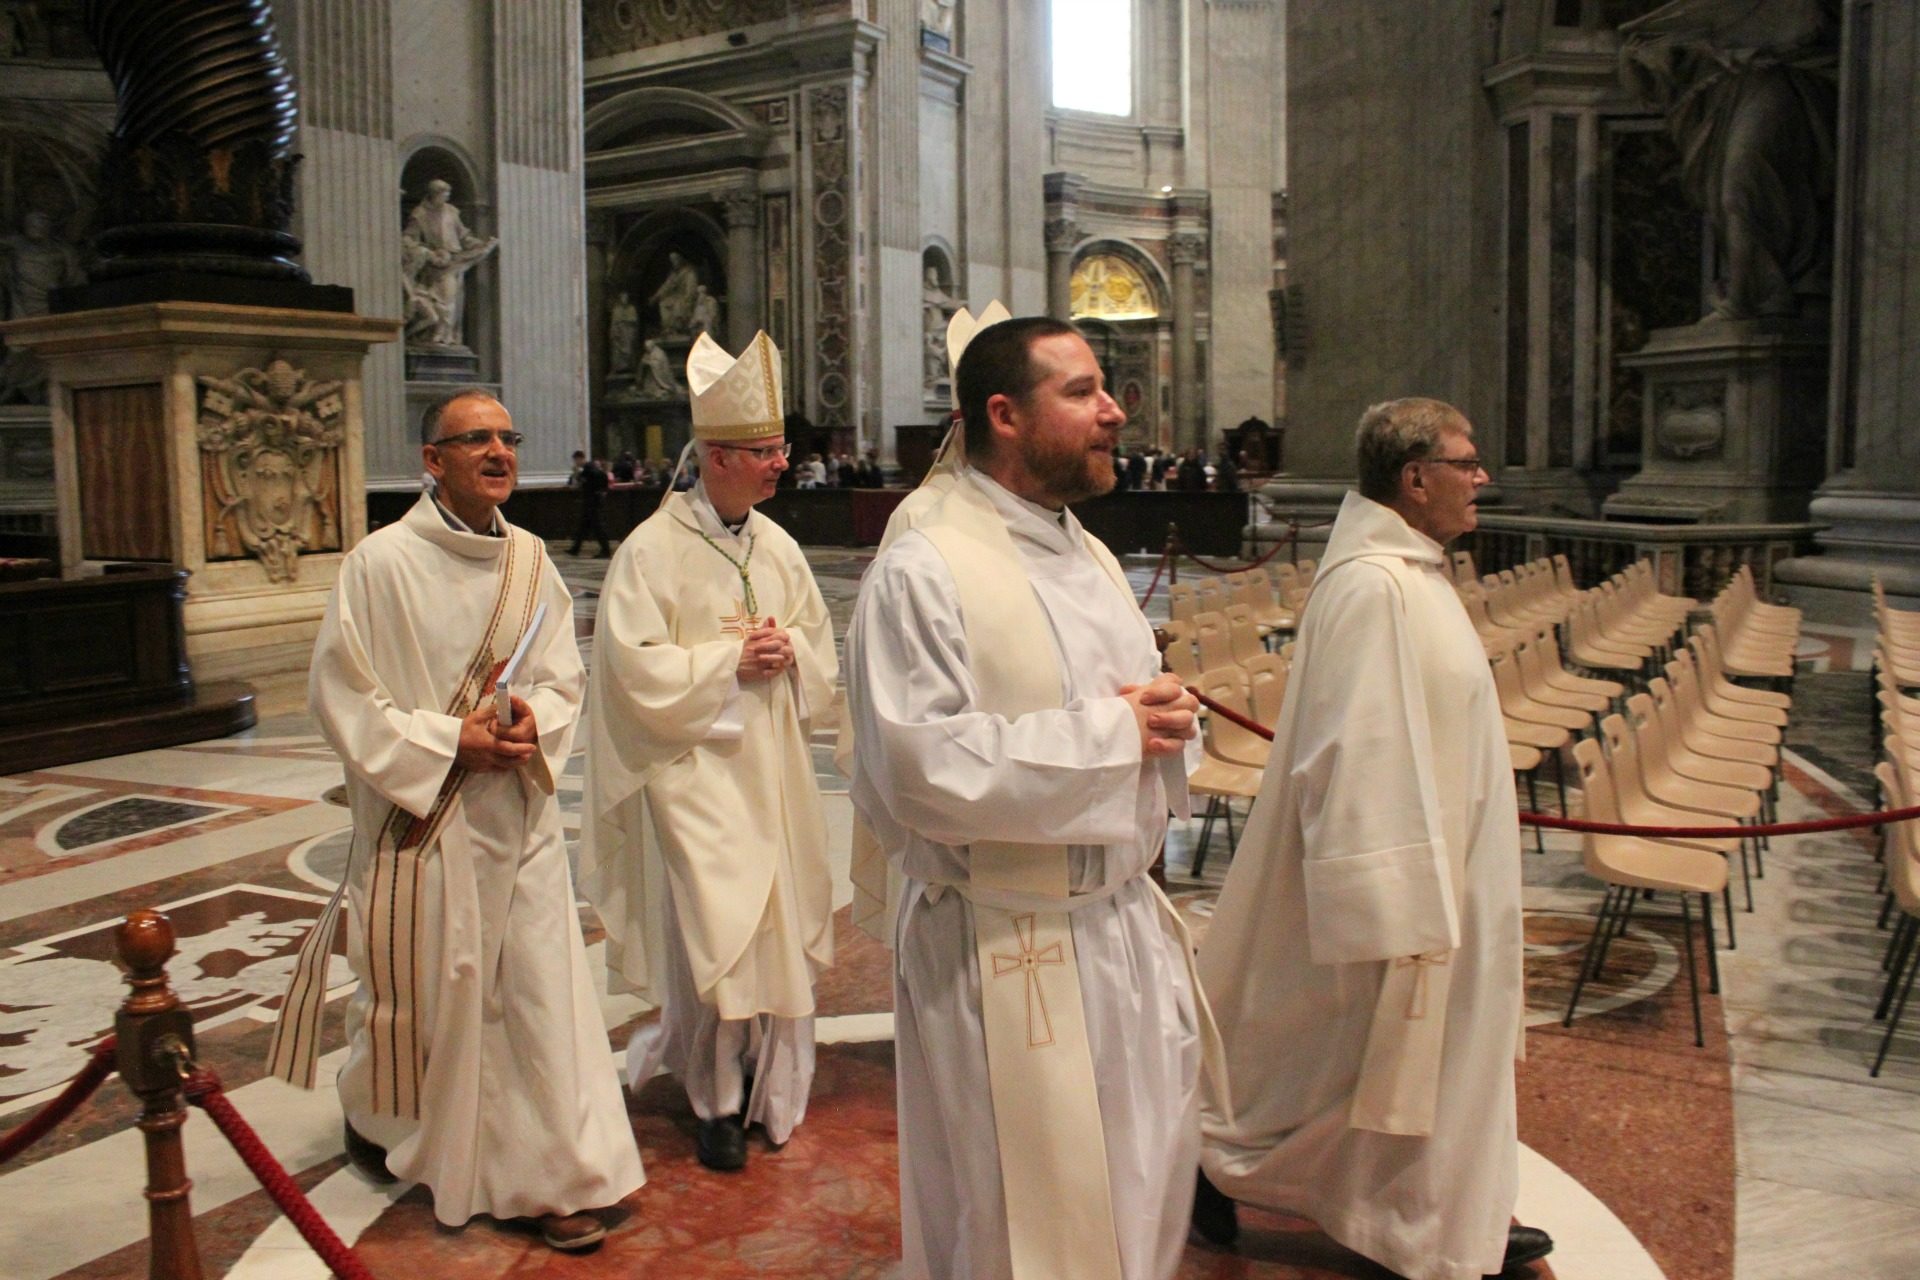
{"points": [[735, 399], [960, 331]]}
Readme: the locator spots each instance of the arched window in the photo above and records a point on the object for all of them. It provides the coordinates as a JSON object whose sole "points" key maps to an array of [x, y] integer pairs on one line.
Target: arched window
{"points": [[1093, 56]]}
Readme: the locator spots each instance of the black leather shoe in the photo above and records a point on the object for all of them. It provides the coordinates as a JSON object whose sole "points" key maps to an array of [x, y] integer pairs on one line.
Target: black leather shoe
{"points": [[1214, 1215], [722, 1144], [1524, 1245], [369, 1157]]}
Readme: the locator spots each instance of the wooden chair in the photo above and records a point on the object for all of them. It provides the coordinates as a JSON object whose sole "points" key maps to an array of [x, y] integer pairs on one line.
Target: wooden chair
{"points": [[1210, 636], [1629, 866], [1903, 880]]}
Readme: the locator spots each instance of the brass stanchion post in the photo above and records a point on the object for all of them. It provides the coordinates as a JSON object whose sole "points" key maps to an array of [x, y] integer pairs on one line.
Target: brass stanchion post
{"points": [[155, 1036]]}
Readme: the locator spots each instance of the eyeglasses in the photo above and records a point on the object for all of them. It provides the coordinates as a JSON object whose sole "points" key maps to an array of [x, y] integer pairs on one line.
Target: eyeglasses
{"points": [[1468, 465], [483, 437], [762, 452]]}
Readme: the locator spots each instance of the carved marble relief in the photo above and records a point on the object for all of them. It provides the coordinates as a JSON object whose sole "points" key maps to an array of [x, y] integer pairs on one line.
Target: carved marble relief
{"points": [[270, 466], [621, 26], [832, 254]]}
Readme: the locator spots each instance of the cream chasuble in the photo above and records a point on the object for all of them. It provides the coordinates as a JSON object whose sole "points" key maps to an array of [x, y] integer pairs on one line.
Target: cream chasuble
{"points": [[988, 770], [518, 1108], [1365, 954], [700, 779]]}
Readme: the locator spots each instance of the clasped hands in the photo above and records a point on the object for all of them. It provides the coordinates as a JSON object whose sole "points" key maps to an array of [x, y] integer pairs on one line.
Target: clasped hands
{"points": [[487, 746], [765, 653], [1165, 712]]}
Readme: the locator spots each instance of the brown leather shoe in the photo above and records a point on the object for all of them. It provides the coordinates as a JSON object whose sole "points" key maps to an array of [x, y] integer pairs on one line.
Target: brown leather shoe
{"points": [[570, 1231]]}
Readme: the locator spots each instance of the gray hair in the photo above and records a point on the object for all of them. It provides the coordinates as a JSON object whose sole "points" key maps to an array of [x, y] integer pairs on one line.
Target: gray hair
{"points": [[1396, 432], [430, 419]]}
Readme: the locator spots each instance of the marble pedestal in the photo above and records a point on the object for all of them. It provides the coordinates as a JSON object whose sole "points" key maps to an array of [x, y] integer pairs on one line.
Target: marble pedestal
{"points": [[1735, 423], [1311, 504], [224, 440]]}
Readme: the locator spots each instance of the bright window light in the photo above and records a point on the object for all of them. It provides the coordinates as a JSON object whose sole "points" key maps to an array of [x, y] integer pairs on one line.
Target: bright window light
{"points": [[1093, 56]]}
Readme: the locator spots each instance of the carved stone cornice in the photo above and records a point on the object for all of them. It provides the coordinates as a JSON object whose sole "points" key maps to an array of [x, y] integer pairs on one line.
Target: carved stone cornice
{"points": [[1186, 248], [1062, 235], [740, 209]]}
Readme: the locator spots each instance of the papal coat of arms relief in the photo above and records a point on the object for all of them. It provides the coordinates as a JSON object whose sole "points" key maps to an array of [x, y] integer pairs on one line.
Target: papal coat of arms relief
{"points": [[270, 466]]}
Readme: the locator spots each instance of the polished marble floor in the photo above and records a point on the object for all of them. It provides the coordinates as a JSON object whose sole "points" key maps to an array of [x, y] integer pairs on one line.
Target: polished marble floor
{"points": [[1768, 1155]]}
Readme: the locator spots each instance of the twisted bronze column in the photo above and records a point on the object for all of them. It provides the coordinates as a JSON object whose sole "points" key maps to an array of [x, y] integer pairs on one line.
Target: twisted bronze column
{"points": [[199, 168]]}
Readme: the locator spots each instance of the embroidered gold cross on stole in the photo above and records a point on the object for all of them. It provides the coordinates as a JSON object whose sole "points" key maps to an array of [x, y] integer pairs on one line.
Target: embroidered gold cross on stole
{"points": [[741, 621], [1417, 998], [1028, 962]]}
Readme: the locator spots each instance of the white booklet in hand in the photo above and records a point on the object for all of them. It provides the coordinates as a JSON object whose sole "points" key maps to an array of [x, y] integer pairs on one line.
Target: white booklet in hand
{"points": [[502, 687]]}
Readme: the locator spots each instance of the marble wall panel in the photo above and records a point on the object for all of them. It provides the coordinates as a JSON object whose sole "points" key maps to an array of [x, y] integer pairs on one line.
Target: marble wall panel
{"points": [[543, 370]]}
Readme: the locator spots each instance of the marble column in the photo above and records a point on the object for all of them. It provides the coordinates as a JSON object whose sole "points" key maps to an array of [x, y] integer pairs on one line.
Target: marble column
{"points": [[1185, 248], [1062, 235], [1871, 499], [740, 210]]}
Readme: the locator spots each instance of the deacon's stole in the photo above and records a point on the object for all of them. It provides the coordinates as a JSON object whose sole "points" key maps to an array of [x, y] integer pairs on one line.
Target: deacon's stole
{"points": [[400, 851], [1046, 1112]]}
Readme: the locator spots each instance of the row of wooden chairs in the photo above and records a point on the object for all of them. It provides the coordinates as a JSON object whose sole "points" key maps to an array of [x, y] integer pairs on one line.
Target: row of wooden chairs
{"points": [[1274, 592], [1896, 669]]}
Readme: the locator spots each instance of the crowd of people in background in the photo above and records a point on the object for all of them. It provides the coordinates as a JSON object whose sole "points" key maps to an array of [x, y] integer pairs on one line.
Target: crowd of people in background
{"points": [[1191, 471]]}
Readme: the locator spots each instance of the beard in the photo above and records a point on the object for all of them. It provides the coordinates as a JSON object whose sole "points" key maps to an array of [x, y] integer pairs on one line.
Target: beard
{"points": [[1069, 474]]}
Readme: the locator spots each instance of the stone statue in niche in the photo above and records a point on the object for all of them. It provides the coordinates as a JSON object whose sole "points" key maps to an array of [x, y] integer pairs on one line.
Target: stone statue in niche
{"points": [[706, 314], [1749, 92], [32, 264], [936, 308], [937, 16], [437, 251], [623, 334], [270, 466], [655, 380], [676, 295]]}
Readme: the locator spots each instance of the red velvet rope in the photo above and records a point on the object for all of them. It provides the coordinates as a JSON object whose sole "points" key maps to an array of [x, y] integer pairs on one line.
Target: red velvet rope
{"points": [[204, 1091], [79, 1089], [1211, 567], [1849, 822], [1158, 569]]}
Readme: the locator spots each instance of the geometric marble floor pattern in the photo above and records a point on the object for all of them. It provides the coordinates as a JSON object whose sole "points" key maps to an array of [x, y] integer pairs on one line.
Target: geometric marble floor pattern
{"points": [[1767, 1154]]}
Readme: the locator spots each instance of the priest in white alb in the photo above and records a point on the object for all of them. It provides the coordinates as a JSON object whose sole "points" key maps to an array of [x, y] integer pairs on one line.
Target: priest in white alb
{"points": [[477, 1061], [1364, 959], [1015, 751], [704, 841]]}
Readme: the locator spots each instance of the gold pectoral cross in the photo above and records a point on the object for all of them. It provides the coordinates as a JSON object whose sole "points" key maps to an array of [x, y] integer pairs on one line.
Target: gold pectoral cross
{"points": [[740, 621], [1028, 962], [1422, 963]]}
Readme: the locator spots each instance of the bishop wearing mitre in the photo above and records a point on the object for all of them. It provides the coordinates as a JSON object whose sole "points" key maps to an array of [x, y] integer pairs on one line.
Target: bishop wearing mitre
{"points": [[704, 842]]}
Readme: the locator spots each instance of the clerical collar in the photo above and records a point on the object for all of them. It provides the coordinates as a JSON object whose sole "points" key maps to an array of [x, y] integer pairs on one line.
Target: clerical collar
{"points": [[1012, 504], [458, 525], [708, 516]]}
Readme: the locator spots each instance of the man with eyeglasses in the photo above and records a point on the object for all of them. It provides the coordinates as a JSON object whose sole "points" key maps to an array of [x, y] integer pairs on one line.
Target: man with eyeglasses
{"points": [[477, 1059], [704, 843], [1364, 959]]}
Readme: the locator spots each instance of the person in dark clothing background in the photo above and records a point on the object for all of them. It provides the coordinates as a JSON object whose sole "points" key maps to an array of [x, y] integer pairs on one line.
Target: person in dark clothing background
{"points": [[590, 478]]}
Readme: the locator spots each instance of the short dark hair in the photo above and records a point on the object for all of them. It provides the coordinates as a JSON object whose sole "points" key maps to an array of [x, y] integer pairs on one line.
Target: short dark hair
{"points": [[998, 362], [430, 418], [1395, 432]]}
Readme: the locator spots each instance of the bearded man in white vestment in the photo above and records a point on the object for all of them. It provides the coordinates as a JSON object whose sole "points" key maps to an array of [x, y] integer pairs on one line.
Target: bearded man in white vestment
{"points": [[510, 1105], [1364, 958], [1010, 727], [705, 843]]}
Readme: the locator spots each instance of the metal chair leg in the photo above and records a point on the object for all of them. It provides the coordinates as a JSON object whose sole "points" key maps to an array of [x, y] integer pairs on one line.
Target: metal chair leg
{"points": [[1533, 805], [1713, 959], [1693, 979], [1893, 1023], [1587, 956]]}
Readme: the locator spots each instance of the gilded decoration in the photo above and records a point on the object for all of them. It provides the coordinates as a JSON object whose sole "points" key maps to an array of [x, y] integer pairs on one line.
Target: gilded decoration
{"points": [[623, 26], [270, 466], [1108, 287]]}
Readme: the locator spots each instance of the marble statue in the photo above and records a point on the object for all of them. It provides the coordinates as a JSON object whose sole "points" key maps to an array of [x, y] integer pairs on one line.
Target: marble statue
{"points": [[656, 380], [32, 265], [1749, 94], [936, 308], [623, 334], [437, 252], [676, 295], [706, 314], [937, 16]]}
